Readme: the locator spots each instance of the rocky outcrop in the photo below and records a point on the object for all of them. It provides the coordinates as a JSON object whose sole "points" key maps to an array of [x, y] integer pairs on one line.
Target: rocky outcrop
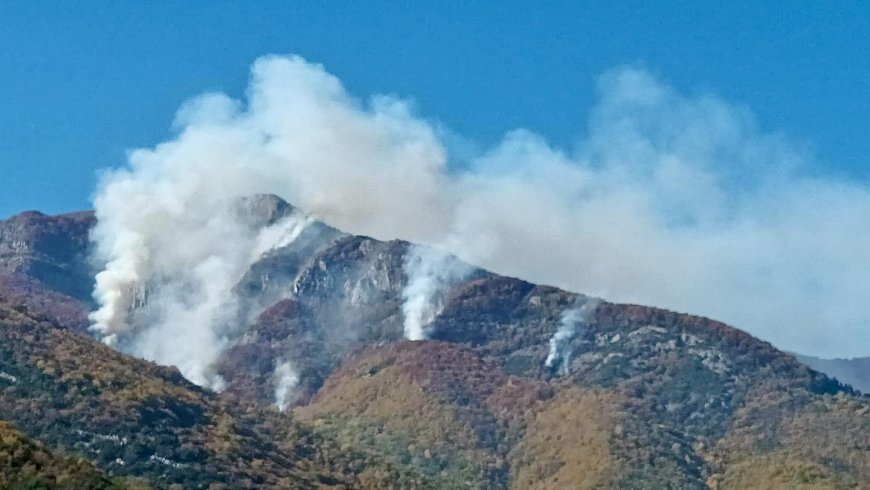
{"points": [[50, 250]]}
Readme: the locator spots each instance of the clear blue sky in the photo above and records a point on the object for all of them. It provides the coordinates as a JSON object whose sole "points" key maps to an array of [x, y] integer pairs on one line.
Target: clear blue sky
{"points": [[81, 81]]}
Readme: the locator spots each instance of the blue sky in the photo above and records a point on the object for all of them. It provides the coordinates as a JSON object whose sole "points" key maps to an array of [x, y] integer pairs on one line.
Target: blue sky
{"points": [[81, 82]]}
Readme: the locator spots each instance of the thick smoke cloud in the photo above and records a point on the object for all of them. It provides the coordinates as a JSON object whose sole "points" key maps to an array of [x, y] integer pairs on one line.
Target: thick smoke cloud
{"points": [[170, 298], [430, 275], [673, 200]]}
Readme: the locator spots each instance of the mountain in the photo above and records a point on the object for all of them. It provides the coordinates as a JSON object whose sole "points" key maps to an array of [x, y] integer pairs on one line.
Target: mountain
{"points": [[50, 251], [636, 397], [44, 261], [855, 372]]}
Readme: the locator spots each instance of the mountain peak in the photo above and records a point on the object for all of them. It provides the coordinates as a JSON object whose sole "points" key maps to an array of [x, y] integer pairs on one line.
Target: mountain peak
{"points": [[262, 209]]}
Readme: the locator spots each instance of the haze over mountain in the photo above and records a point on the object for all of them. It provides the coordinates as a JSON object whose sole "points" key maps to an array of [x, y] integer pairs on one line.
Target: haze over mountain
{"points": [[669, 199], [516, 386]]}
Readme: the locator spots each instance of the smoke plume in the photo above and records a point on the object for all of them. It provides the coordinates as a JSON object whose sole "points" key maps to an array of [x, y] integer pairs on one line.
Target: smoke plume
{"points": [[668, 199], [285, 379], [170, 297], [430, 273], [559, 357]]}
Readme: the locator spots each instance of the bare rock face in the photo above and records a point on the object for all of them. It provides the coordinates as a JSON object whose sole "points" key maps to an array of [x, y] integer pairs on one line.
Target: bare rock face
{"points": [[262, 209], [52, 250], [334, 293], [44, 264]]}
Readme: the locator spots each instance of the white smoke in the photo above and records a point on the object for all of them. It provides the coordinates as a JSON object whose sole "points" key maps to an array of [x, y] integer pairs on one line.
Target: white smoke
{"points": [[281, 234], [672, 200], [191, 249], [430, 274], [571, 320], [285, 379]]}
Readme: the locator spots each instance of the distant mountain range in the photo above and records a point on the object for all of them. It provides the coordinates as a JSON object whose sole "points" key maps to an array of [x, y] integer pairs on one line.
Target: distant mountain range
{"points": [[854, 372], [512, 389]]}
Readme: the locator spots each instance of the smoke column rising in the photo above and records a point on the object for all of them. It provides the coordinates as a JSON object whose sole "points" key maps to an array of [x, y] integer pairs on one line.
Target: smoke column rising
{"points": [[674, 200], [430, 274], [188, 259], [560, 353], [285, 379]]}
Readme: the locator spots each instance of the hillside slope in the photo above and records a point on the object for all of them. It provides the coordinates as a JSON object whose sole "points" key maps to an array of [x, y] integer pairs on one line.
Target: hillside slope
{"points": [[25, 464], [448, 412], [135, 418], [627, 397]]}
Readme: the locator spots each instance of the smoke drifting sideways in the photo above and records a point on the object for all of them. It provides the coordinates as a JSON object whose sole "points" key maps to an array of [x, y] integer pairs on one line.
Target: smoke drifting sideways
{"points": [[672, 200], [559, 357], [430, 274]]}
